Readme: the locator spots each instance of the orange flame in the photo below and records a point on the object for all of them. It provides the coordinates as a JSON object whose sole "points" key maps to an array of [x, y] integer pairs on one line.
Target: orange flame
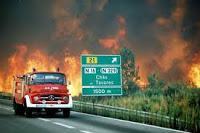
{"points": [[23, 61], [110, 43], [1, 82], [141, 83], [72, 70], [194, 74], [41, 61]]}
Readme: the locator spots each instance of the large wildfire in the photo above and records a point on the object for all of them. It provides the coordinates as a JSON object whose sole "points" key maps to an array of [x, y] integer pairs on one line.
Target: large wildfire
{"points": [[157, 42], [24, 60]]}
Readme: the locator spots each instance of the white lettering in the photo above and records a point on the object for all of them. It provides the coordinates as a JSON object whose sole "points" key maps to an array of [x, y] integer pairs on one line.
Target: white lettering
{"points": [[103, 77], [99, 91], [104, 82], [90, 70], [109, 70], [51, 88]]}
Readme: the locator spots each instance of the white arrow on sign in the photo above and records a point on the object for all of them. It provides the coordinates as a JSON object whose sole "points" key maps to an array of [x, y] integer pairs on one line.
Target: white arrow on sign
{"points": [[114, 59]]}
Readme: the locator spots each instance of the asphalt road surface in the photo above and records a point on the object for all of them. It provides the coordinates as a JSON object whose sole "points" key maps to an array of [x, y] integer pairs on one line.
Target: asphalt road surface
{"points": [[77, 123]]}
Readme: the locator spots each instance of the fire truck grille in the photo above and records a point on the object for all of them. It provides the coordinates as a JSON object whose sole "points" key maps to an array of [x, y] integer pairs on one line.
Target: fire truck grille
{"points": [[51, 98]]}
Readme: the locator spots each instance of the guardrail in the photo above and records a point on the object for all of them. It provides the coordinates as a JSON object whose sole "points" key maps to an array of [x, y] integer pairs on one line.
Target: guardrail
{"points": [[6, 102], [130, 115], [135, 115]]}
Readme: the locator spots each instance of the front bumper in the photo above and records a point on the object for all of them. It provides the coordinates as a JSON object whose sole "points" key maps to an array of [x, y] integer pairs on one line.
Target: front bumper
{"points": [[59, 106]]}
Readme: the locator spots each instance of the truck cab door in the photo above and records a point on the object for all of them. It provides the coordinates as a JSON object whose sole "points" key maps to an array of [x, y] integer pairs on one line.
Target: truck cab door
{"points": [[18, 91]]}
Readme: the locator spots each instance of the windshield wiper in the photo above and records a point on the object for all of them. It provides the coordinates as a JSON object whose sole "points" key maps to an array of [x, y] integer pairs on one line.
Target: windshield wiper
{"points": [[51, 83], [37, 83]]}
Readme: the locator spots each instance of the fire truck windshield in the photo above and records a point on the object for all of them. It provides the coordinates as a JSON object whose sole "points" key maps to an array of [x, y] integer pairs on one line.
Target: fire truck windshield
{"points": [[44, 78]]}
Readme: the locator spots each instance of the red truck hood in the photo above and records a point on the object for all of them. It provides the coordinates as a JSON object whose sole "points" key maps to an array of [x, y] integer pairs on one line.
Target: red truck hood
{"points": [[48, 88]]}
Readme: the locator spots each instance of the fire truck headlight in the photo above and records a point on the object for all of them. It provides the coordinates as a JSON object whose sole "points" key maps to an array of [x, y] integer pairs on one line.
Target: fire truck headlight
{"points": [[66, 98], [35, 98]]}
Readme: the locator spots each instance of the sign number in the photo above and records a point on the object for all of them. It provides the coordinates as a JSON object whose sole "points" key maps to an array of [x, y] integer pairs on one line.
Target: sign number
{"points": [[91, 60]]}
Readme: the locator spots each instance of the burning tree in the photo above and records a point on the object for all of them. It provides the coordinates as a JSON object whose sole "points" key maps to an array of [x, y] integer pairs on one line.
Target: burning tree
{"points": [[129, 71]]}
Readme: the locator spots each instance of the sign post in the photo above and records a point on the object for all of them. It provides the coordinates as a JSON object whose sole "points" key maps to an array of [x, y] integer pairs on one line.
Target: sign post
{"points": [[101, 75]]}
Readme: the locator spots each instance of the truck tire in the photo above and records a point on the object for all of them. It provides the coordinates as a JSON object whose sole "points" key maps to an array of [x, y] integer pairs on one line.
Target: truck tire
{"points": [[28, 111], [18, 109], [66, 113]]}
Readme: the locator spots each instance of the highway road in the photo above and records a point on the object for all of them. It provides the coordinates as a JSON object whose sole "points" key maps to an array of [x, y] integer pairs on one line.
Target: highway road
{"points": [[77, 123]]}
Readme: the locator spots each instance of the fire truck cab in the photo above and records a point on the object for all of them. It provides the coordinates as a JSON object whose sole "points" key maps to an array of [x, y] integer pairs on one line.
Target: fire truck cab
{"points": [[37, 91]]}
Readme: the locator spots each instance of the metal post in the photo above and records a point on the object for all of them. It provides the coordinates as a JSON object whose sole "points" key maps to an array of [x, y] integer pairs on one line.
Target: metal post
{"points": [[93, 106]]}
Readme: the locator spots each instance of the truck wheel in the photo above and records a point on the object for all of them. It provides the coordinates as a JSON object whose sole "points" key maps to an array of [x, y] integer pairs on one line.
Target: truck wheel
{"points": [[18, 109], [28, 112], [66, 113]]}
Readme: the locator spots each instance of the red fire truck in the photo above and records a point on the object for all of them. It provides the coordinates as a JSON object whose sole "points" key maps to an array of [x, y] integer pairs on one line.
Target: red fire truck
{"points": [[41, 91]]}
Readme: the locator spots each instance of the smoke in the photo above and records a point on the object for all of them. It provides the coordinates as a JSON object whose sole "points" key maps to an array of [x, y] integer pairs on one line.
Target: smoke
{"points": [[164, 36], [68, 25], [174, 58], [100, 4], [170, 58], [114, 42]]}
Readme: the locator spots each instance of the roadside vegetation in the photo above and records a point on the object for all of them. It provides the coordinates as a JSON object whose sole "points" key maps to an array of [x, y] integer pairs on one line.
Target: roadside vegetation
{"points": [[178, 99]]}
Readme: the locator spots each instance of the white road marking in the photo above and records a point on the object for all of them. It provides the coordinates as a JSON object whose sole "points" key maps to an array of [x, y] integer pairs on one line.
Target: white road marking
{"points": [[141, 124], [63, 125], [85, 131], [46, 120]]}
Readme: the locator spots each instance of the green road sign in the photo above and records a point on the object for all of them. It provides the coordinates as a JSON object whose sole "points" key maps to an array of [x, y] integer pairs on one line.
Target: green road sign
{"points": [[101, 75]]}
